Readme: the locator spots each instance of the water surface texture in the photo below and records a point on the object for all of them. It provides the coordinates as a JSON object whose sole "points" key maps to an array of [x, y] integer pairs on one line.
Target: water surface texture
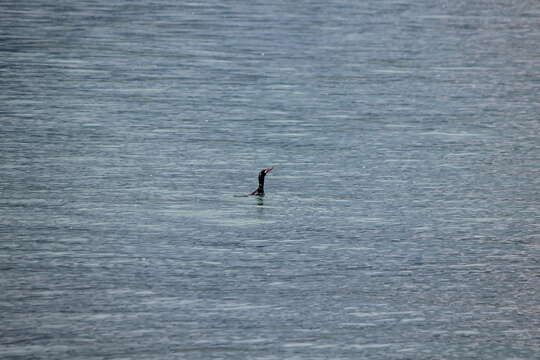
{"points": [[402, 220]]}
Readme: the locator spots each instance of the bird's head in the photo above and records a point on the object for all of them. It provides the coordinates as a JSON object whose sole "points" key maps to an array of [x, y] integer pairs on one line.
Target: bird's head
{"points": [[265, 172]]}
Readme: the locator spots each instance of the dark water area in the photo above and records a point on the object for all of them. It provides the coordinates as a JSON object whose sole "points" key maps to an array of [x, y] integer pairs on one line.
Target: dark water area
{"points": [[402, 220]]}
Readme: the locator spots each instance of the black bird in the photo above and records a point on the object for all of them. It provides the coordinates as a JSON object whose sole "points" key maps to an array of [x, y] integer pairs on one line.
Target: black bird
{"points": [[262, 174]]}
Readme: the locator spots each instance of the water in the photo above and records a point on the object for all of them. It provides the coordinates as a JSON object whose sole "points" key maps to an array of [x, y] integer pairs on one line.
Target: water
{"points": [[402, 220]]}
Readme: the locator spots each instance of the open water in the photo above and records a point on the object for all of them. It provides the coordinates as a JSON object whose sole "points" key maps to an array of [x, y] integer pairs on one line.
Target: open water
{"points": [[402, 220]]}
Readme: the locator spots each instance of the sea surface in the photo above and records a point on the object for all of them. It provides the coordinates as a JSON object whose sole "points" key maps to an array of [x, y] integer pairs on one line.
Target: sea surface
{"points": [[402, 220]]}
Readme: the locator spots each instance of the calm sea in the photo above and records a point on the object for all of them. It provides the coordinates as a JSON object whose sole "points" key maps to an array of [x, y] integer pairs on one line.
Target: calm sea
{"points": [[402, 220]]}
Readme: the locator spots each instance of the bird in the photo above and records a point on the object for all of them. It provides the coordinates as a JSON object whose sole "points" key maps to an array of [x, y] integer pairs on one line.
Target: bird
{"points": [[260, 189]]}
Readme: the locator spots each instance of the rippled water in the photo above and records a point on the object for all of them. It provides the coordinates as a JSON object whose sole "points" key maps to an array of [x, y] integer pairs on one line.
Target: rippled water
{"points": [[402, 220]]}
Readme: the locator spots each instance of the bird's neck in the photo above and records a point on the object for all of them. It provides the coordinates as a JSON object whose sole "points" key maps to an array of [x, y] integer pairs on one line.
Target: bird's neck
{"points": [[260, 188]]}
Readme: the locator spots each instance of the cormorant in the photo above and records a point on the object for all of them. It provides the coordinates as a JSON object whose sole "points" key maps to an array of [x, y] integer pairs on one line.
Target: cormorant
{"points": [[260, 190]]}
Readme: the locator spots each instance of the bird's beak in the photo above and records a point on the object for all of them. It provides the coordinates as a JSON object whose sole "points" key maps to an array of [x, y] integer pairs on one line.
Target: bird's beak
{"points": [[269, 169]]}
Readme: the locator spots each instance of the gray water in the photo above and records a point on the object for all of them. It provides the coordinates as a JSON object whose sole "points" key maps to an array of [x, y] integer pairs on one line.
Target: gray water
{"points": [[401, 222]]}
